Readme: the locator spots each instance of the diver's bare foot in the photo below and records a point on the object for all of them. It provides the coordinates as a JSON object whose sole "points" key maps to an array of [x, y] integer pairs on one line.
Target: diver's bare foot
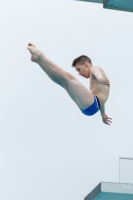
{"points": [[35, 53]]}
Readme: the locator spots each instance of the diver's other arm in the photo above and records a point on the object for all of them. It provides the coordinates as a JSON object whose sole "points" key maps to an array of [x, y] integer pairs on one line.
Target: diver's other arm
{"points": [[101, 79], [107, 120]]}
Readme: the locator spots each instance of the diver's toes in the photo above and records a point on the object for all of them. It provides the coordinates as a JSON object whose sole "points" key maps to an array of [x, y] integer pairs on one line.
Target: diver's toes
{"points": [[30, 44]]}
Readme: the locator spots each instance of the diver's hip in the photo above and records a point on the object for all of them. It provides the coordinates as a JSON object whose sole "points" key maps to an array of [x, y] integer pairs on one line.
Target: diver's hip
{"points": [[102, 98]]}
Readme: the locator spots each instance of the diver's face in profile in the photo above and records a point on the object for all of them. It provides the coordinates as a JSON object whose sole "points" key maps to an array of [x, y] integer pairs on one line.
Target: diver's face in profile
{"points": [[83, 69]]}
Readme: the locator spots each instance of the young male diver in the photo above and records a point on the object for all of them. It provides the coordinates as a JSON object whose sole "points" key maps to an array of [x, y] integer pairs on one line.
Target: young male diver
{"points": [[89, 102]]}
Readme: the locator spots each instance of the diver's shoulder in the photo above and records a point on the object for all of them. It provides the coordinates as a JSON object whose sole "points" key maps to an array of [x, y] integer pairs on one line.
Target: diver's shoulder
{"points": [[95, 66]]}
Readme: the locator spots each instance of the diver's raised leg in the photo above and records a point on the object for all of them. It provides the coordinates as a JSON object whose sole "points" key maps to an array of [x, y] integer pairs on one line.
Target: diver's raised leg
{"points": [[79, 93]]}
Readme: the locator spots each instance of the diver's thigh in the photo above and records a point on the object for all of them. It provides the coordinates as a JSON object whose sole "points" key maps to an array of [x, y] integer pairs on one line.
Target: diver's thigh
{"points": [[81, 94]]}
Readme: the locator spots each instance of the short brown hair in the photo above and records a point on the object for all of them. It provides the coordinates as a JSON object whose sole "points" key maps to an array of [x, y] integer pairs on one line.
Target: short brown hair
{"points": [[81, 60]]}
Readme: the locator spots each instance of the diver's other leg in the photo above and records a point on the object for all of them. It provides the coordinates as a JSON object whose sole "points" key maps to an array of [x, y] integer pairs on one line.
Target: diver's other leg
{"points": [[80, 93]]}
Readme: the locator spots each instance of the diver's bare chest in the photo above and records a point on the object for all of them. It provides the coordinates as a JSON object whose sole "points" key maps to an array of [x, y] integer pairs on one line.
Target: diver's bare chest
{"points": [[93, 81]]}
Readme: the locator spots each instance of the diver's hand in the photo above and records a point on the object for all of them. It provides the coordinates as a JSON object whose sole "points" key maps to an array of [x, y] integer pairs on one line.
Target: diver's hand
{"points": [[107, 120], [104, 81]]}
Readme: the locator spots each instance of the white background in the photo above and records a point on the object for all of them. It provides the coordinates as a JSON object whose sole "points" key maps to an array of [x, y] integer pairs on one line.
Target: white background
{"points": [[48, 148]]}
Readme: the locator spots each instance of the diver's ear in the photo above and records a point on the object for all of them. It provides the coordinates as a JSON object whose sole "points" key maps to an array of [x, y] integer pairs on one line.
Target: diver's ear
{"points": [[85, 64]]}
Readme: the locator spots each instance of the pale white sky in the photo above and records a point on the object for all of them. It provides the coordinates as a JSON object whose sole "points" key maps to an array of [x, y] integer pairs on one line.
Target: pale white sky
{"points": [[48, 148]]}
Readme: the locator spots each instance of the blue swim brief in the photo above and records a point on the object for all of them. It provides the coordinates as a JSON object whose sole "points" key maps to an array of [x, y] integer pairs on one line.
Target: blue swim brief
{"points": [[93, 109]]}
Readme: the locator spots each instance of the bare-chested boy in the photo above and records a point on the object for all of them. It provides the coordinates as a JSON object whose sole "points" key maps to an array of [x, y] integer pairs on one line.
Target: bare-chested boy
{"points": [[89, 102]]}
